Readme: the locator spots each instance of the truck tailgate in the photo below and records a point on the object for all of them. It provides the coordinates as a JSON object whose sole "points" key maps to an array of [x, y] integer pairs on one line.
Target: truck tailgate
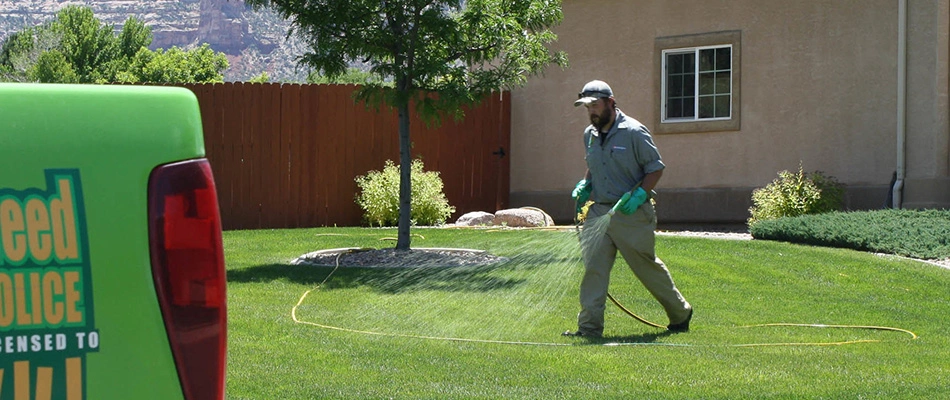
{"points": [[80, 316]]}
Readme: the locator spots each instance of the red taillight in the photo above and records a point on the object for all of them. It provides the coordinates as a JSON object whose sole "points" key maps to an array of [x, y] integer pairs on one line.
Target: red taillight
{"points": [[188, 268]]}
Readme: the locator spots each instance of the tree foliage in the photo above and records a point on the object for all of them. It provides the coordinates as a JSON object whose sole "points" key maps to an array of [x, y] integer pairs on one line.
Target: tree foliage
{"points": [[134, 36], [21, 50], [200, 64], [76, 47], [53, 66], [353, 76], [85, 42], [262, 78], [438, 54]]}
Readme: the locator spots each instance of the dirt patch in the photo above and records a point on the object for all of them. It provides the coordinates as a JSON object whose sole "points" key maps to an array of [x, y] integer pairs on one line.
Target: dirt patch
{"points": [[392, 258]]}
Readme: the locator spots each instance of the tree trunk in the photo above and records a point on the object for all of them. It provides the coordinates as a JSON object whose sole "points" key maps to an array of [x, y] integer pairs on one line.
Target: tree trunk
{"points": [[405, 179]]}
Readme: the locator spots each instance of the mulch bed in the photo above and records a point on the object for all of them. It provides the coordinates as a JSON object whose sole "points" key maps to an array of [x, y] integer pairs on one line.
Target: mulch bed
{"points": [[392, 258]]}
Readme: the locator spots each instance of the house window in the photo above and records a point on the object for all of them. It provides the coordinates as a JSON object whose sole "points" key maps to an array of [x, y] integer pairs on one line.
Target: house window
{"points": [[698, 83]]}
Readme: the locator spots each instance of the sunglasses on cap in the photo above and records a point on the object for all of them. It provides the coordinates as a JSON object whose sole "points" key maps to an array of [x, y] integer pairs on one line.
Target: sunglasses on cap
{"points": [[593, 93]]}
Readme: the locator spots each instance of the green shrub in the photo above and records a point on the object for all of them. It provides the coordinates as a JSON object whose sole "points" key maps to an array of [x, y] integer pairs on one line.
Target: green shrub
{"points": [[911, 233], [379, 196], [793, 194]]}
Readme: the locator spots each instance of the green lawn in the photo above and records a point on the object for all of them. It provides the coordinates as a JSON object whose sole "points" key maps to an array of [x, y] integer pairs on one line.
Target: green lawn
{"points": [[493, 332]]}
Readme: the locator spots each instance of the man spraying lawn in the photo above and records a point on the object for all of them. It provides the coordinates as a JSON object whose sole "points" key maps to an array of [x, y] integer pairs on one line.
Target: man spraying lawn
{"points": [[623, 167]]}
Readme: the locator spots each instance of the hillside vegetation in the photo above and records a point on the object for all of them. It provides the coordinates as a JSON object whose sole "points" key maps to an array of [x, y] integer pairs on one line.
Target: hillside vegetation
{"points": [[253, 41]]}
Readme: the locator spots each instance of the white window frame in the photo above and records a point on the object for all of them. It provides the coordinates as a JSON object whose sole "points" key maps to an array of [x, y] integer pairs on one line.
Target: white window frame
{"points": [[661, 125], [696, 72]]}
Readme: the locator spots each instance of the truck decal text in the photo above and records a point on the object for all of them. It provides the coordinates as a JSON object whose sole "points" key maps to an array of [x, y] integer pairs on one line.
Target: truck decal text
{"points": [[46, 315]]}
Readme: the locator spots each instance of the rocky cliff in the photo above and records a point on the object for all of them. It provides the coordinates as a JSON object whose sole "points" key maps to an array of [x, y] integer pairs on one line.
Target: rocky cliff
{"points": [[254, 41]]}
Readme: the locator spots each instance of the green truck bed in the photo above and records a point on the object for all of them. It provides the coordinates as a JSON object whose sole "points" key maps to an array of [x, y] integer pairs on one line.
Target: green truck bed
{"points": [[111, 268]]}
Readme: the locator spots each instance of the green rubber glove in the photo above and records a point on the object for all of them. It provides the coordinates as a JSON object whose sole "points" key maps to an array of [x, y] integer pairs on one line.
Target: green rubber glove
{"points": [[630, 202], [581, 192], [580, 195]]}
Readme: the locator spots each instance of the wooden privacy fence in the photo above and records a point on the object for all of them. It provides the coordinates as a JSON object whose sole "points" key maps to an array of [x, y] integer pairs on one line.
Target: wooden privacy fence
{"points": [[286, 155]]}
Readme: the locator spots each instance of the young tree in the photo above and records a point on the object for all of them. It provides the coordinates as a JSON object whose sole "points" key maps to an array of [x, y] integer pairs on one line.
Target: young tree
{"points": [[440, 54]]}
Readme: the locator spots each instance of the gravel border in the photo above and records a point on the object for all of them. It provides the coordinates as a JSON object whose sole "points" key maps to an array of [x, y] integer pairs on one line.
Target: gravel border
{"points": [[708, 234]]}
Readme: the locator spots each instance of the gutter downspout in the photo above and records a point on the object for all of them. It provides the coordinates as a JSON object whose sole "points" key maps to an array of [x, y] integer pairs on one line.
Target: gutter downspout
{"points": [[897, 190]]}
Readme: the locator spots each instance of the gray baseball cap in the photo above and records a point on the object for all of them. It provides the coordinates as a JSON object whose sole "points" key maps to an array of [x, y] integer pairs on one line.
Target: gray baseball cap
{"points": [[592, 91]]}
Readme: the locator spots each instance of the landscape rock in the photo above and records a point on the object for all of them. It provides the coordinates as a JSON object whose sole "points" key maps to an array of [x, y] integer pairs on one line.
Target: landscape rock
{"points": [[524, 217], [475, 218]]}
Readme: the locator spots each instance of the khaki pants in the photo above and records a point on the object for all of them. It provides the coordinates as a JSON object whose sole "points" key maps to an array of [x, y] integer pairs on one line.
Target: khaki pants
{"points": [[633, 235]]}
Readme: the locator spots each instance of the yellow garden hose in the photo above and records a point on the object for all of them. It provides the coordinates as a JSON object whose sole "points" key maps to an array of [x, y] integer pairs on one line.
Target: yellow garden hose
{"points": [[635, 316]]}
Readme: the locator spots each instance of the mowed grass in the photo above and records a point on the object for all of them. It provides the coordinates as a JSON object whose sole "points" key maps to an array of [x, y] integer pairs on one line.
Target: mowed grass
{"points": [[494, 332]]}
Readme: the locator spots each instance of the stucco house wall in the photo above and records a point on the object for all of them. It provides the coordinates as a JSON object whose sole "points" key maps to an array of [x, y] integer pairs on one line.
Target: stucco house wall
{"points": [[816, 84]]}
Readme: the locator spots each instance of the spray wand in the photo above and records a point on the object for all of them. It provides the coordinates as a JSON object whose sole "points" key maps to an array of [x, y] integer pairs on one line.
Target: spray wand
{"points": [[623, 199]]}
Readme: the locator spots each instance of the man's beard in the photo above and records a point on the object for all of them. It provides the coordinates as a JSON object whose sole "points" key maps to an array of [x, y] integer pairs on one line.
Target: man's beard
{"points": [[600, 121]]}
